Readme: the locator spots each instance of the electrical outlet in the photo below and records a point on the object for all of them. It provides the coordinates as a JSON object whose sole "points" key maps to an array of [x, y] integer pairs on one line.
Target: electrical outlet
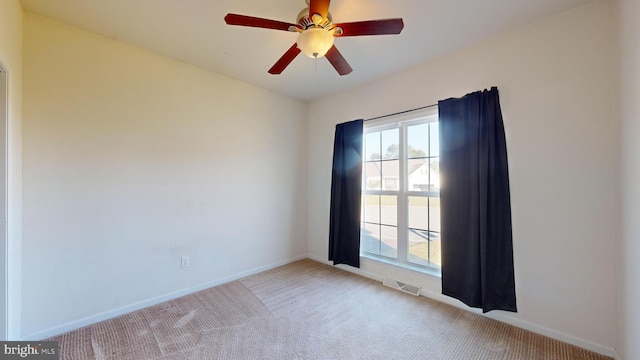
{"points": [[184, 262]]}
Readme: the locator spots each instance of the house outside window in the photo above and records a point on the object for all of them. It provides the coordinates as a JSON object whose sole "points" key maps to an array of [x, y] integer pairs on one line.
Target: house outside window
{"points": [[401, 190]]}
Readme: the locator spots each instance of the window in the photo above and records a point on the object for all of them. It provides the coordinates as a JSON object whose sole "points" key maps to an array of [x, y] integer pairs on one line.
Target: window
{"points": [[401, 190]]}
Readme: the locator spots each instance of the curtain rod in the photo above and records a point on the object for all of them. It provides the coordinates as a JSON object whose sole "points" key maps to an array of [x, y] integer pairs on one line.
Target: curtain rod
{"points": [[401, 112]]}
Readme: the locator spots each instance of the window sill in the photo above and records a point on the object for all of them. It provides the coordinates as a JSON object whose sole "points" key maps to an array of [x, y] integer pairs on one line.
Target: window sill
{"points": [[422, 270]]}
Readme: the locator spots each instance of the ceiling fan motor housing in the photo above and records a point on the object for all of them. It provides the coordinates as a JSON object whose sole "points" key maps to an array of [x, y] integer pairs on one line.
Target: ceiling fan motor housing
{"points": [[305, 22]]}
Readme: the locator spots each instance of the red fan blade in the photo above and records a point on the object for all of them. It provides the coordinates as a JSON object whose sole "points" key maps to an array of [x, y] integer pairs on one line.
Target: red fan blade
{"points": [[320, 7], [285, 60], [371, 27], [337, 60], [243, 20]]}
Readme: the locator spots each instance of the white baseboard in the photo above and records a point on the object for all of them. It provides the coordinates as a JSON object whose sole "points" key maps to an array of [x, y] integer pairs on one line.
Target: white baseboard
{"points": [[500, 316], [503, 317], [89, 320]]}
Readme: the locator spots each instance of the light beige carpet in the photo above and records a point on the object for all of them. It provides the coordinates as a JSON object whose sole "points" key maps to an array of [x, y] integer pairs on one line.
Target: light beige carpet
{"points": [[308, 310]]}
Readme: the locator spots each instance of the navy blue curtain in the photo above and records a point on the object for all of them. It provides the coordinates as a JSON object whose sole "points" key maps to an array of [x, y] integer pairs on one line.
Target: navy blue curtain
{"points": [[346, 183], [477, 249]]}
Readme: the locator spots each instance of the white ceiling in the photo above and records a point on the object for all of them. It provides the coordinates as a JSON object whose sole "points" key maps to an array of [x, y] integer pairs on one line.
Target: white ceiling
{"points": [[194, 31]]}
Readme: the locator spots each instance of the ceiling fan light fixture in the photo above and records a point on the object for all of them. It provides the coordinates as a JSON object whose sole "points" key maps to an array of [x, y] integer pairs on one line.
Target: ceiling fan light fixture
{"points": [[315, 42]]}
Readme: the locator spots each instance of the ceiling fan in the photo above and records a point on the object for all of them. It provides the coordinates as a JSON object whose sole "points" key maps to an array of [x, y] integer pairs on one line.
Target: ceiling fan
{"points": [[316, 32]]}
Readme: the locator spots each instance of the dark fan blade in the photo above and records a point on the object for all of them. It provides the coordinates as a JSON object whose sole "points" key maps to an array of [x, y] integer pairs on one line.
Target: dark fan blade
{"points": [[285, 60], [243, 20], [337, 60], [371, 27], [320, 7]]}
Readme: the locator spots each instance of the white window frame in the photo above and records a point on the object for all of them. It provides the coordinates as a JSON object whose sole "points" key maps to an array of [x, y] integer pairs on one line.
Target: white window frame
{"points": [[402, 122]]}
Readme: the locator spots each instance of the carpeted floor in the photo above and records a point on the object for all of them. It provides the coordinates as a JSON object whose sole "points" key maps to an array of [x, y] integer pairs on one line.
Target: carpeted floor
{"points": [[308, 310]]}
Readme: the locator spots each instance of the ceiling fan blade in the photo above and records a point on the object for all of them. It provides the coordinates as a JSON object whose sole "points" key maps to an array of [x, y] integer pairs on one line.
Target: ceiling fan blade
{"points": [[285, 60], [337, 60], [371, 27], [320, 7], [243, 20]]}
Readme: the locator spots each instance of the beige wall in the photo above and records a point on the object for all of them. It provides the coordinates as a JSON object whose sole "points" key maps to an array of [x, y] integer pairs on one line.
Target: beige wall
{"points": [[628, 346], [557, 84], [132, 160], [11, 59]]}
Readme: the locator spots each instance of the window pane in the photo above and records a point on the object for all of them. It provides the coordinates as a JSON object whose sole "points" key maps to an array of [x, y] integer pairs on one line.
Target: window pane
{"points": [[372, 175], [389, 210], [391, 175], [434, 139], [370, 238], [390, 144], [418, 141], [372, 146], [434, 250], [418, 212], [434, 175], [418, 170], [434, 214], [424, 248], [418, 247], [389, 237], [371, 208]]}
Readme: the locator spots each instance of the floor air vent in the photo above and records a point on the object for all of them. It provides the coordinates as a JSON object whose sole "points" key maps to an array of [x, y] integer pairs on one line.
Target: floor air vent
{"points": [[399, 285]]}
